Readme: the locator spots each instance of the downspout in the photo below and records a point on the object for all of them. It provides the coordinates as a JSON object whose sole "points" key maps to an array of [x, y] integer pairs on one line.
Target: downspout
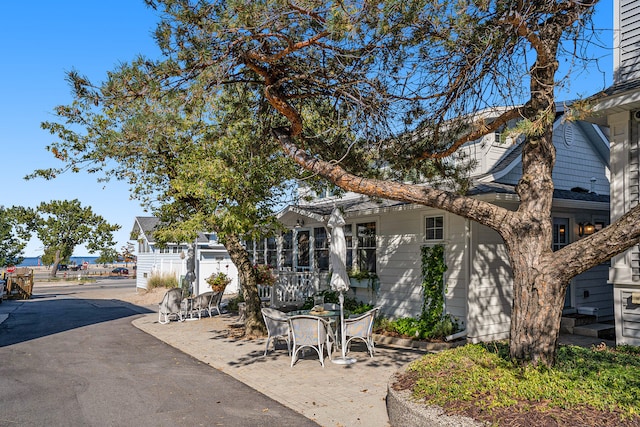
{"points": [[467, 258]]}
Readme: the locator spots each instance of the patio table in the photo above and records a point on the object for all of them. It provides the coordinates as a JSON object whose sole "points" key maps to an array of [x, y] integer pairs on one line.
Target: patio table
{"points": [[332, 315]]}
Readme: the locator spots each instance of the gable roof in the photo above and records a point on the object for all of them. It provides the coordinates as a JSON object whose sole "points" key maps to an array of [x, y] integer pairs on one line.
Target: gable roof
{"points": [[146, 225], [361, 204], [620, 97], [513, 157]]}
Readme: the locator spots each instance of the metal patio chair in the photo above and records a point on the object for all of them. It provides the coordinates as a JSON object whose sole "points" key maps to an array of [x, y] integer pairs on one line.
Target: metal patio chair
{"points": [[360, 328], [277, 327], [310, 332], [170, 306]]}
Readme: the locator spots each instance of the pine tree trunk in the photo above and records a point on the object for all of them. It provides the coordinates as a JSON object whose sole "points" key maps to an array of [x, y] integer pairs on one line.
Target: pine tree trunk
{"points": [[254, 324], [538, 299]]}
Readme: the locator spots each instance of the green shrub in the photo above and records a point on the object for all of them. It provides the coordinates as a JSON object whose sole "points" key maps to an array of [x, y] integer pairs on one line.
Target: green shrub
{"points": [[351, 305], [481, 379], [232, 304], [162, 281], [417, 328]]}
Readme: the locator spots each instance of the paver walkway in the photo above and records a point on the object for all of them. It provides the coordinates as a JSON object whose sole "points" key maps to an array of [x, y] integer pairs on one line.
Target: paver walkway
{"points": [[335, 395]]}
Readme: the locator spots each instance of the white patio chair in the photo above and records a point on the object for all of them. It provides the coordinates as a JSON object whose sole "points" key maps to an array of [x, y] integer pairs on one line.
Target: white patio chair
{"points": [[277, 327], [310, 332], [360, 328], [214, 303], [202, 303], [170, 305]]}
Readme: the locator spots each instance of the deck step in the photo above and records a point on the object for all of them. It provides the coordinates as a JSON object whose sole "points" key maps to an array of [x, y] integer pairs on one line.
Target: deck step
{"points": [[597, 330], [569, 322]]}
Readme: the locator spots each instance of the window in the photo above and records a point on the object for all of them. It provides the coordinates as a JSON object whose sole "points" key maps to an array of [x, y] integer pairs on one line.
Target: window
{"points": [[321, 248], [560, 233], [287, 249], [272, 252], [366, 251], [259, 251], [249, 246], [303, 248], [434, 228], [348, 235]]}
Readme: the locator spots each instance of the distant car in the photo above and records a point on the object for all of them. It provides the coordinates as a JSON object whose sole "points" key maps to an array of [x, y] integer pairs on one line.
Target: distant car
{"points": [[120, 270], [63, 267]]}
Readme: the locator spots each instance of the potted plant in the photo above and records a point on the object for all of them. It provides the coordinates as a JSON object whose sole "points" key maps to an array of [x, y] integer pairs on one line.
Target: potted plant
{"points": [[363, 279], [218, 281], [264, 275]]}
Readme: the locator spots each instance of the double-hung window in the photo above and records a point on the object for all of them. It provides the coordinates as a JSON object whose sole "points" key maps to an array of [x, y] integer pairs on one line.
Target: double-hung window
{"points": [[366, 250], [434, 228]]}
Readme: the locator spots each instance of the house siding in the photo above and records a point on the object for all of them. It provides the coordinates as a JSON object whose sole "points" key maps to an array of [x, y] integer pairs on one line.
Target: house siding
{"points": [[214, 261], [490, 287], [400, 238], [151, 263], [486, 152], [592, 290], [627, 316], [627, 41], [576, 163], [625, 181]]}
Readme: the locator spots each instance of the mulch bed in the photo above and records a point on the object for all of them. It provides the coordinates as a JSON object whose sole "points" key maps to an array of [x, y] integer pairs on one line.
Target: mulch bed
{"points": [[536, 414]]}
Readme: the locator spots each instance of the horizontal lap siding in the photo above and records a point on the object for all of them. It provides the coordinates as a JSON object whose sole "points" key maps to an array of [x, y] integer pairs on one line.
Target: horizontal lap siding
{"points": [[400, 238], [160, 264], [490, 288], [600, 293], [628, 327], [629, 41], [577, 162], [144, 263]]}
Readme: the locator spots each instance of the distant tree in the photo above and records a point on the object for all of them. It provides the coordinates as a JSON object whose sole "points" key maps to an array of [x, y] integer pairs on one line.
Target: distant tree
{"points": [[11, 244], [63, 225], [107, 255], [126, 252]]}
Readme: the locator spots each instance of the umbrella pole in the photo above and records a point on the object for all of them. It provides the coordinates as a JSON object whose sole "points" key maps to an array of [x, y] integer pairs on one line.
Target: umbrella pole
{"points": [[343, 360]]}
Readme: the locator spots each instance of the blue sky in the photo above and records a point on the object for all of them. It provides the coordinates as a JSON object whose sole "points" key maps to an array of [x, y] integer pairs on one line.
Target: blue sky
{"points": [[42, 40]]}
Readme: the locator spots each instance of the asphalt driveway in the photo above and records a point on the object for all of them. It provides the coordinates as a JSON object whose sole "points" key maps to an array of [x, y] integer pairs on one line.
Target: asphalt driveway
{"points": [[67, 359]]}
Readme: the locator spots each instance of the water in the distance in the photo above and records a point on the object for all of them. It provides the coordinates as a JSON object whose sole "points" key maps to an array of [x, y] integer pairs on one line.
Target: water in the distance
{"points": [[34, 261]]}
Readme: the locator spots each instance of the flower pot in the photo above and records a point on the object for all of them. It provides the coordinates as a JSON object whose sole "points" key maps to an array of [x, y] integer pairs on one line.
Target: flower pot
{"points": [[358, 283], [218, 288]]}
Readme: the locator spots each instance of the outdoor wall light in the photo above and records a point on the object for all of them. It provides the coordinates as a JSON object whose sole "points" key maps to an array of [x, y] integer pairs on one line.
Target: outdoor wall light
{"points": [[299, 223], [586, 229]]}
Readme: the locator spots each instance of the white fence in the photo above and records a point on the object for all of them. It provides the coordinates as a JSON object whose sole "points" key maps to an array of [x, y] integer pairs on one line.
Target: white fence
{"points": [[293, 288]]}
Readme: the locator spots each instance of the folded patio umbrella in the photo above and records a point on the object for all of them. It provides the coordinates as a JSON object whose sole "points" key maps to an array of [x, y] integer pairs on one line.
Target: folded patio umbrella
{"points": [[339, 276]]}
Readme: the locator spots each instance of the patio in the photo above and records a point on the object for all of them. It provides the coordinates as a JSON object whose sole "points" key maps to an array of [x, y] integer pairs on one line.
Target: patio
{"points": [[335, 395]]}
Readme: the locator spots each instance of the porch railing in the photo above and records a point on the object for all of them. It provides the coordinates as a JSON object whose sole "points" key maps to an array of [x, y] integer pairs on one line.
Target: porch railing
{"points": [[292, 288]]}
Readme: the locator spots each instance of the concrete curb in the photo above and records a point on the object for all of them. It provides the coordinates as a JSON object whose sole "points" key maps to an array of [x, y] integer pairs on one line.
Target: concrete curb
{"points": [[403, 411], [407, 343]]}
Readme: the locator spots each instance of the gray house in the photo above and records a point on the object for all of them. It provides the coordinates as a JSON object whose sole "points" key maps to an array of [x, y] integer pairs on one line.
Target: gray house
{"points": [[210, 256], [386, 236], [619, 108]]}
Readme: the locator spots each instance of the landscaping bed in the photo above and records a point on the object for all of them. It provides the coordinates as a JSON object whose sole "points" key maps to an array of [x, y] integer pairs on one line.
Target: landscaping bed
{"points": [[587, 387]]}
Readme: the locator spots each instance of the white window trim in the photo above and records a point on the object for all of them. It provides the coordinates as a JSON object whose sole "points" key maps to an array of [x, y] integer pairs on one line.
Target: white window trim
{"points": [[444, 228]]}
